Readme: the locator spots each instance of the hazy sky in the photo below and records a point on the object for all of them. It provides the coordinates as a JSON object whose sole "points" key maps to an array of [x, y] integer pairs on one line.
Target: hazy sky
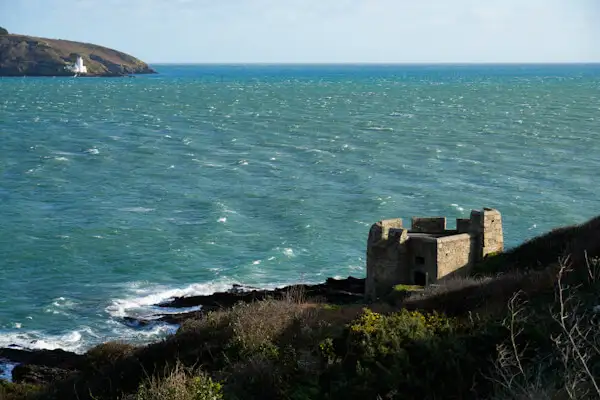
{"points": [[321, 30]]}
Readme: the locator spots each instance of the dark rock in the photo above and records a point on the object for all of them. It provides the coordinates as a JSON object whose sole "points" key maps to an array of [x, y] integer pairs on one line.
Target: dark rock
{"points": [[48, 358], [342, 291], [334, 291], [38, 374]]}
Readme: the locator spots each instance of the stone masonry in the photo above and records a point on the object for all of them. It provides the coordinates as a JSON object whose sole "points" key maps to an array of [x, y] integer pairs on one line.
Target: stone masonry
{"points": [[428, 252]]}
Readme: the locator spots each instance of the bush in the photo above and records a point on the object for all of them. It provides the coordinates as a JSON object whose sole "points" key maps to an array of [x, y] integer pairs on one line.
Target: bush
{"points": [[404, 355], [17, 391], [107, 354], [3, 31], [255, 326], [563, 359], [180, 384]]}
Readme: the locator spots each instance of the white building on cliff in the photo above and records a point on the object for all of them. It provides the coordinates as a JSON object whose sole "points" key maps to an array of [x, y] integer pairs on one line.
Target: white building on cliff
{"points": [[78, 67]]}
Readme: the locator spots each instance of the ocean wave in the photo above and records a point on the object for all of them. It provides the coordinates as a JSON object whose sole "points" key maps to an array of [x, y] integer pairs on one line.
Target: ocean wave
{"points": [[36, 340], [137, 209], [142, 299], [378, 128], [61, 305], [457, 207], [6, 369]]}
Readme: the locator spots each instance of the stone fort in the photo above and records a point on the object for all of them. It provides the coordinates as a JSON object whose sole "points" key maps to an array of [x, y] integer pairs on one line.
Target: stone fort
{"points": [[428, 252]]}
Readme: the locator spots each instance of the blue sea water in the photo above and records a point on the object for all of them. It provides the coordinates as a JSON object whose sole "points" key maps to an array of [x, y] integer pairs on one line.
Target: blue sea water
{"points": [[118, 193]]}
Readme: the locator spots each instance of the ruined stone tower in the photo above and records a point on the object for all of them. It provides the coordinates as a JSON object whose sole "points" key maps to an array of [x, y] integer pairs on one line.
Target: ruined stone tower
{"points": [[428, 252]]}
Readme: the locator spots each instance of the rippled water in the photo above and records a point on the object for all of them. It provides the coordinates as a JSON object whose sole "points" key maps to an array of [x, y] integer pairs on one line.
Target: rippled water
{"points": [[115, 194]]}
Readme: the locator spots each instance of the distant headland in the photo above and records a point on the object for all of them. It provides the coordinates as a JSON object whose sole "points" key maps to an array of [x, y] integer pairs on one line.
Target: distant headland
{"points": [[22, 55]]}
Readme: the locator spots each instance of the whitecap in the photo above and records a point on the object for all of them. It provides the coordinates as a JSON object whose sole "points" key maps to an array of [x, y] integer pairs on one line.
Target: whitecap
{"points": [[222, 220], [60, 306], [256, 262], [223, 207], [459, 208], [288, 252], [93, 151], [401, 114], [362, 223], [61, 158], [356, 268], [137, 209], [34, 340], [142, 299], [378, 129]]}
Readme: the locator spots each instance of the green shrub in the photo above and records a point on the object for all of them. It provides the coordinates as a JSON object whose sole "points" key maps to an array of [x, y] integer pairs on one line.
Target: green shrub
{"points": [[404, 355], [3, 31], [17, 391], [107, 354]]}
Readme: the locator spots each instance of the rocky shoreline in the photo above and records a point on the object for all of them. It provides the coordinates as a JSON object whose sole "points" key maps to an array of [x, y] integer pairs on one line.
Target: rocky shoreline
{"points": [[43, 366]]}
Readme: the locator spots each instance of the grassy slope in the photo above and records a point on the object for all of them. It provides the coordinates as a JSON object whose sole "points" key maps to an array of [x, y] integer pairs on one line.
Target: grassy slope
{"points": [[27, 55], [527, 333]]}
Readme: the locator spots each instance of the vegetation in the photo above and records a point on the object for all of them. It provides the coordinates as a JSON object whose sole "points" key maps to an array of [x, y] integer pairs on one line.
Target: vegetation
{"points": [[528, 333], [3, 31]]}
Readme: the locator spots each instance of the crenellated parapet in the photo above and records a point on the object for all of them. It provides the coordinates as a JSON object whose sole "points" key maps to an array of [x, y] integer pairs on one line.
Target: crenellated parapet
{"points": [[428, 252]]}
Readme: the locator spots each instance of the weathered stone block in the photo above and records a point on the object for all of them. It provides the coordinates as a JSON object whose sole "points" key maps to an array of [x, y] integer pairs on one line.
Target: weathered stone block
{"points": [[429, 224]]}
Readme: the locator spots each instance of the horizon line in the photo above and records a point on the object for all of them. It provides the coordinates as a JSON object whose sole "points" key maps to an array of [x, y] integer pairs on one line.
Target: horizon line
{"points": [[360, 63]]}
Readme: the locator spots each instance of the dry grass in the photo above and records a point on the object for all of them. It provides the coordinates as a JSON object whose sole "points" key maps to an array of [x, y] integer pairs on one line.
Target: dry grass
{"points": [[256, 324], [577, 242], [107, 354], [484, 295], [570, 370], [179, 384]]}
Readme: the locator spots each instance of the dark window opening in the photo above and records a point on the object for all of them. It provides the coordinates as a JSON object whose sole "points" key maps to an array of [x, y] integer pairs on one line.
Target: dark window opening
{"points": [[420, 278], [420, 260]]}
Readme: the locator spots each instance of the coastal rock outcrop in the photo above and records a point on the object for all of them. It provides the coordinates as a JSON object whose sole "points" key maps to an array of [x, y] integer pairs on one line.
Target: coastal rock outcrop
{"points": [[22, 55], [40, 366]]}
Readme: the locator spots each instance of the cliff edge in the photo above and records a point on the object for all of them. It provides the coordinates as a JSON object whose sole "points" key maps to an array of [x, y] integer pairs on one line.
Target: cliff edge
{"points": [[22, 55]]}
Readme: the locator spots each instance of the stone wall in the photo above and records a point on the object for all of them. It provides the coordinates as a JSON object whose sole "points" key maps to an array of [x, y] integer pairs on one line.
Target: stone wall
{"points": [[428, 225], [453, 255], [423, 258], [386, 256], [493, 237], [486, 228]]}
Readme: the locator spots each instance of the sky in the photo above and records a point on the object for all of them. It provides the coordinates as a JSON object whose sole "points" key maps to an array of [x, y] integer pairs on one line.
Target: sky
{"points": [[321, 31]]}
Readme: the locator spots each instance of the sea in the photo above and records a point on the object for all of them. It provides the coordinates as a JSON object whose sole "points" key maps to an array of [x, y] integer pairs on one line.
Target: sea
{"points": [[117, 194]]}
